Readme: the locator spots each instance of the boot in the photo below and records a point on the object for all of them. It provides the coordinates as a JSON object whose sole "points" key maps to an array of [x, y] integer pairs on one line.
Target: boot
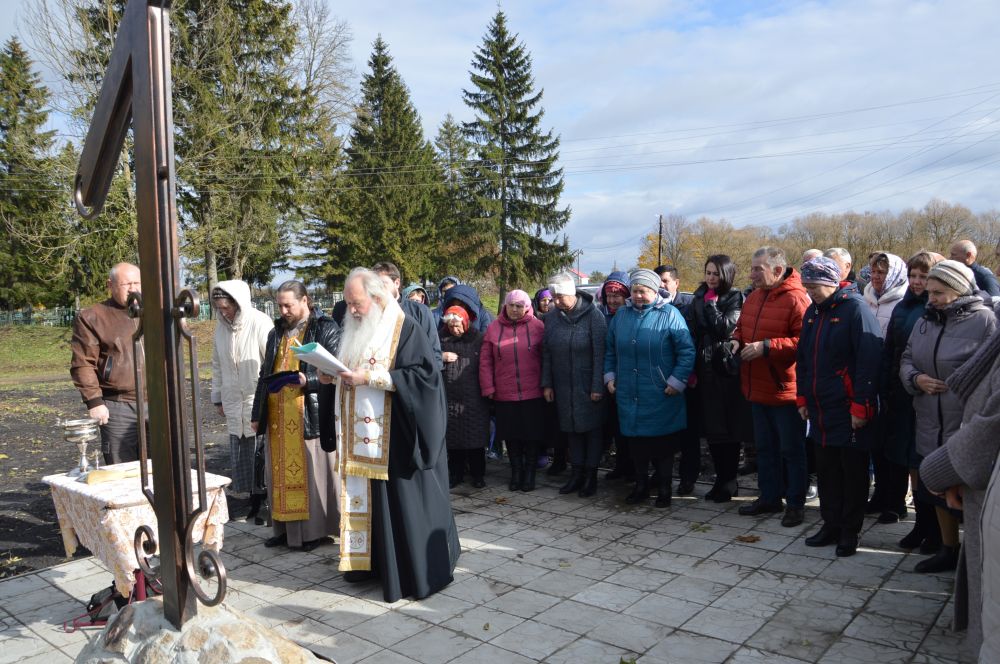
{"points": [[943, 561], [530, 456], [558, 462], [724, 492], [641, 491], [919, 533], [575, 481], [589, 487], [255, 502], [516, 467], [663, 497]]}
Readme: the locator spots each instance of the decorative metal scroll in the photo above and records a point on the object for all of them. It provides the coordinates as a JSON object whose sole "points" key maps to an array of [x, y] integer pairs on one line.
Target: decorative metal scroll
{"points": [[137, 90]]}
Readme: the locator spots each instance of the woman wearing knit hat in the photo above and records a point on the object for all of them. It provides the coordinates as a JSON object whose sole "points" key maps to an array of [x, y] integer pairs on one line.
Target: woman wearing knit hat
{"points": [[510, 373], [836, 374], [955, 325], [649, 359], [468, 431], [614, 292]]}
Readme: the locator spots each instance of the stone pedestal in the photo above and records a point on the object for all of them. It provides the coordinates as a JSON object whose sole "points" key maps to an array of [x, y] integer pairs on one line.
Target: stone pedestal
{"points": [[140, 633]]}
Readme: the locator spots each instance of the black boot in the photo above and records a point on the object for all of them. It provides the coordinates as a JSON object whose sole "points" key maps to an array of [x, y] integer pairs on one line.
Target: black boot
{"points": [[575, 481], [663, 497], [589, 487], [641, 491], [943, 561], [558, 461], [530, 456], [516, 466], [920, 532], [255, 502]]}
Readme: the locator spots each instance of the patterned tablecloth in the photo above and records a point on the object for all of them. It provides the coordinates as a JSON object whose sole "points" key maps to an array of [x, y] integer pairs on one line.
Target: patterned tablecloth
{"points": [[104, 517]]}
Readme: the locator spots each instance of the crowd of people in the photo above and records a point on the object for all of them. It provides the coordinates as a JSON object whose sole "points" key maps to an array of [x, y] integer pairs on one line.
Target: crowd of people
{"points": [[887, 381]]}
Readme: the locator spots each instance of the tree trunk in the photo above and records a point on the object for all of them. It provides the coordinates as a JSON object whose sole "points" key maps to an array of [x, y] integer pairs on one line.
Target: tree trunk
{"points": [[212, 274]]}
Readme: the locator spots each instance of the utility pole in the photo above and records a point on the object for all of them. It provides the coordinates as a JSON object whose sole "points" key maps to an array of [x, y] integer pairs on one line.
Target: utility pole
{"points": [[659, 241]]}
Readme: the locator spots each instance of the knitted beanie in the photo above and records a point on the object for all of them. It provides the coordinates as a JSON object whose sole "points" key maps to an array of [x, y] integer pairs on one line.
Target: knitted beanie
{"points": [[954, 275], [644, 277]]}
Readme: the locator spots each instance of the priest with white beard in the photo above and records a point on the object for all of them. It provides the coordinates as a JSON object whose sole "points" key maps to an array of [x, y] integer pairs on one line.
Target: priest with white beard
{"points": [[396, 520]]}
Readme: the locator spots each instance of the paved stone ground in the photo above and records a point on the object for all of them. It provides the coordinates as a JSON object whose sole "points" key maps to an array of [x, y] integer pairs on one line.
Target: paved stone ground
{"points": [[550, 578]]}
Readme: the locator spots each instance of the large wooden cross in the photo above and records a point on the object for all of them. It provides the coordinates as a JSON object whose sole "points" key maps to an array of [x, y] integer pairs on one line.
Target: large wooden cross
{"points": [[136, 90]]}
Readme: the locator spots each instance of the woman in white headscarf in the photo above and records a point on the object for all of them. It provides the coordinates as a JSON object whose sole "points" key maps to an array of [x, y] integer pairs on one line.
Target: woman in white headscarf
{"points": [[887, 286]]}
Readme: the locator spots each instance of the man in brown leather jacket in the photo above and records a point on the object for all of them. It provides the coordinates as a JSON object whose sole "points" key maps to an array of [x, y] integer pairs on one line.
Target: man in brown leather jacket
{"points": [[103, 365]]}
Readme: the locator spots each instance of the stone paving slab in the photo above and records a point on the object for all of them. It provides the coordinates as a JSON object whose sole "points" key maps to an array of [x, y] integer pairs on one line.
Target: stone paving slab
{"points": [[551, 578]]}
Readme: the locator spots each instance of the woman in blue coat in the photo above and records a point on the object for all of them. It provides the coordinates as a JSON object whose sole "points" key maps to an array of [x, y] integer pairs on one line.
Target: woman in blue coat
{"points": [[836, 373], [648, 361]]}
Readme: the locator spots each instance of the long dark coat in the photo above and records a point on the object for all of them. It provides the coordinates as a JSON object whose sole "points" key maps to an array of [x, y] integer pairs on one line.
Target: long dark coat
{"points": [[573, 363], [722, 405], [468, 411]]}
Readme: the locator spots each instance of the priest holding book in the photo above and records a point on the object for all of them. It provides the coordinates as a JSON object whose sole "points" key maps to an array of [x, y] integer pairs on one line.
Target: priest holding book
{"points": [[296, 412]]}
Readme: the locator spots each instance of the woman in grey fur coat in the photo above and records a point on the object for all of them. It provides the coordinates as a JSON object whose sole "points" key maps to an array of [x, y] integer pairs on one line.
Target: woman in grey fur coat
{"points": [[572, 375]]}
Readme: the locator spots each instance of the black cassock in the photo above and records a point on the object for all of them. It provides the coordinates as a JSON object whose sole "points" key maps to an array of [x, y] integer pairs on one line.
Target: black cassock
{"points": [[414, 538]]}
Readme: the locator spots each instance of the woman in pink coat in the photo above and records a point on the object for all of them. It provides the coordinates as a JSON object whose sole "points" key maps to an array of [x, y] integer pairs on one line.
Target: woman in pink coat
{"points": [[510, 373]]}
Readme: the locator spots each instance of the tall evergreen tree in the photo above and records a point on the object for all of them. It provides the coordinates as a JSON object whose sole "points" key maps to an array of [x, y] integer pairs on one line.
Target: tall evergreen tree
{"points": [[516, 183], [29, 191], [454, 254], [392, 178]]}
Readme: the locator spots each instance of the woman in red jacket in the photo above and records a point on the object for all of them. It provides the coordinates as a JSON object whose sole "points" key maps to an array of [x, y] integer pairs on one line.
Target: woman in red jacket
{"points": [[510, 373]]}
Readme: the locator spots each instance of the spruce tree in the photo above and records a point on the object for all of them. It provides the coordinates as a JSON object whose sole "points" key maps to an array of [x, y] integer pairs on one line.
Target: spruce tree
{"points": [[392, 179], [30, 195], [515, 182], [456, 250]]}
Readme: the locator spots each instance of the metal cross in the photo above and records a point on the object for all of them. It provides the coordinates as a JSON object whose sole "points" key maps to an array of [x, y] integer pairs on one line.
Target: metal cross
{"points": [[137, 89]]}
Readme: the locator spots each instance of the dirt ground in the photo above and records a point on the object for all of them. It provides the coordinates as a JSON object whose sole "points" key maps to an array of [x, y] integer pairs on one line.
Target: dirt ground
{"points": [[32, 446]]}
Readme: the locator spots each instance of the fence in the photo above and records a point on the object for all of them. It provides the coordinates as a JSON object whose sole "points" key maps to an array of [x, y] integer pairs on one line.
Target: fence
{"points": [[63, 316]]}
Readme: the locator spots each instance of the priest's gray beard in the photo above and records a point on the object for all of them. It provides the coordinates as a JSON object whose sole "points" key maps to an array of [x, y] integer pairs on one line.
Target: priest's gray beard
{"points": [[357, 334]]}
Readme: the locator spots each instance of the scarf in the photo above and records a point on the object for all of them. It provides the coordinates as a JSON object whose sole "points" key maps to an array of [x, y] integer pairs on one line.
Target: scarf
{"points": [[967, 377], [363, 414]]}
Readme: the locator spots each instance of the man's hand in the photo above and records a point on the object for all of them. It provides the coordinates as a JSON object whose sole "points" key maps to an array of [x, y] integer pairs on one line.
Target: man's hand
{"points": [[352, 378], [100, 413], [549, 394], [930, 385], [803, 412], [596, 396], [449, 357], [220, 410], [858, 422], [611, 386], [324, 379], [752, 351], [302, 379], [253, 426]]}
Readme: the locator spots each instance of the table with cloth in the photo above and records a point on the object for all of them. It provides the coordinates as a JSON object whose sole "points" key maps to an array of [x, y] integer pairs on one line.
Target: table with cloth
{"points": [[104, 517]]}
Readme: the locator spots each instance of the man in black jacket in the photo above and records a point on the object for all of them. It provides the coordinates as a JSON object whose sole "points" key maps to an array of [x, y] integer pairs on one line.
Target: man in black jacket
{"points": [[964, 251], [295, 410]]}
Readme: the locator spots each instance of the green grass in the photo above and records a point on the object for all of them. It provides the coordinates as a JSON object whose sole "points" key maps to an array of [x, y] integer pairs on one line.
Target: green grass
{"points": [[32, 352]]}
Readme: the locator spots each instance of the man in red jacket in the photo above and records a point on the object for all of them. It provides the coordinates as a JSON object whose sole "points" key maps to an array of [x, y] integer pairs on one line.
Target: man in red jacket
{"points": [[768, 336]]}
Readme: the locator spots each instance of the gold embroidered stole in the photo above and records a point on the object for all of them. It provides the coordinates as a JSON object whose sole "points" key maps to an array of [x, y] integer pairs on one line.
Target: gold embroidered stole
{"points": [[364, 415], [286, 432]]}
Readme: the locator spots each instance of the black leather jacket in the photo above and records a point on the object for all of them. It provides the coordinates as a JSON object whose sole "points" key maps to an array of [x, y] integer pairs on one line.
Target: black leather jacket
{"points": [[318, 411]]}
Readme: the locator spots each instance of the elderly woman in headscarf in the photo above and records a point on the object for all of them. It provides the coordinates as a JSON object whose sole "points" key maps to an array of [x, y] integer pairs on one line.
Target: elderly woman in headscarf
{"points": [[836, 374], [542, 302], [960, 470], [649, 358], [886, 288], [416, 293], [468, 431], [572, 377], [510, 373], [955, 325]]}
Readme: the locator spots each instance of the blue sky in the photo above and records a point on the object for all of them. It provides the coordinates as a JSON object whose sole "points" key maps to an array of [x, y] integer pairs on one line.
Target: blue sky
{"points": [[753, 111]]}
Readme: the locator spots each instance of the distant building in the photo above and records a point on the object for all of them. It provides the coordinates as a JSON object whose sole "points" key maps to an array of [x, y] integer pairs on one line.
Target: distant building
{"points": [[579, 277]]}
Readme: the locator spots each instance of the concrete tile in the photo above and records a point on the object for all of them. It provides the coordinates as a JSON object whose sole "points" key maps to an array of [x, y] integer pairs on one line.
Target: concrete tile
{"points": [[593, 568], [875, 628], [609, 596], [306, 630], [482, 623], [747, 655], [345, 648], [694, 589], [725, 624], [720, 572], [487, 653], [754, 603], [586, 650], [551, 558], [515, 573], [561, 583], [675, 563], [640, 578], [477, 589], [435, 644], [575, 617], [436, 608], [523, 602], [850, 651], [738, 554], [22, 585], [350, 611], [579, 542], [791, 563], [820, 591], [785, 585], [664, 609], [534, 640], [916, 607], [635, 634], [686, 648], [388, 629]]}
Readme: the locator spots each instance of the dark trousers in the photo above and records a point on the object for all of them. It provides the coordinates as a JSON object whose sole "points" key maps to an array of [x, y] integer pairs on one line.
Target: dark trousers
{"points": [[585, 448], [781, 454], [726, 459], [656, 449], [120, 436], [474, 460], [689, 439], [842, 474]]}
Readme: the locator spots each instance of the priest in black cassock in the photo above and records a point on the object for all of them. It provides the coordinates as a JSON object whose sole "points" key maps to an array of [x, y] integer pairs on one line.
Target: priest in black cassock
{"points": [[396, 520]]}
